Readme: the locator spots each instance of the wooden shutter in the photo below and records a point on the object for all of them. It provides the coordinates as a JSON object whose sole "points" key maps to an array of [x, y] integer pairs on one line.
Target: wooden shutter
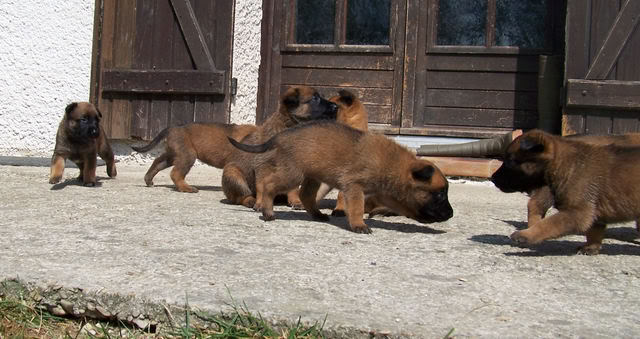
{"points": [[602, 73], [162, 63]]}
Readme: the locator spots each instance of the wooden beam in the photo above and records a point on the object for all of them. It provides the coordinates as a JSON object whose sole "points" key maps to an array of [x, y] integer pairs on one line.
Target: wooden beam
{"points": [[611, 94], [159, 81], [193, 35], [619, 34]]}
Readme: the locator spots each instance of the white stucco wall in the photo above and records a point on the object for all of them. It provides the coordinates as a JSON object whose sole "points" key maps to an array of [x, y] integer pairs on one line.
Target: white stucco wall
{"points": [[45, 63], [246, 60]]}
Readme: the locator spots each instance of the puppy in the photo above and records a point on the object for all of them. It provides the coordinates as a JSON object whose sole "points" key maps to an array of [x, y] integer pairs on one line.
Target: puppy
{"points": [[208, 143], [368, 165], [79, 138], [352, 113], [541, 199], [592, 185], [297, 105], [205, 142]]}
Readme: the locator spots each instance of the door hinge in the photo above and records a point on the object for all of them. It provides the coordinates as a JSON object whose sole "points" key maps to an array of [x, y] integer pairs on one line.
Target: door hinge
{"points": [[234, 86]]}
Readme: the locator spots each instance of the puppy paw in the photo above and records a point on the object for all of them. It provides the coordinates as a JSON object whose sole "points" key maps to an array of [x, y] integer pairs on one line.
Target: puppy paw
{"points": [[520, 239], [188, 189], [55, 180], [249, 202], [320, 216], [257, 207], [266, 216], [112, 172], [364, 229], [592, 249], [296, 205], [338, 213]]}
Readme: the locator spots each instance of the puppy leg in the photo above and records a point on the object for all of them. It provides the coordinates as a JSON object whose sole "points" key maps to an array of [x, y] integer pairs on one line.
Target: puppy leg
{"points": [[293, 199], [338, 211], [308, 194], [235, 186], [89, 170], [182, 164], [265, 196], [323, 191], [354, 199], [106, 153], [80, 165], [160, 163], [539, 203], [594, 239], [559, 224], [57, 168]]}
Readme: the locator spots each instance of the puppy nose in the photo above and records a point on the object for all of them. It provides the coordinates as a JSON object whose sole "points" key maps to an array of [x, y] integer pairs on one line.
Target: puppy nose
{"points": [[94, 132], [333, 108]]}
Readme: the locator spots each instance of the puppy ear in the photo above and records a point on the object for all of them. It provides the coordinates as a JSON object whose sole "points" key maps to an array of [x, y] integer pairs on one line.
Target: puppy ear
{"points": [[99, 113], [532, 145], [424, 173], [347, 97], [292, 100], [70, 107]]}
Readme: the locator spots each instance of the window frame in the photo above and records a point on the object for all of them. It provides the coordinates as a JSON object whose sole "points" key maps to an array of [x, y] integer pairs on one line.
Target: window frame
{"points": [[489, 47], [340, 20]]}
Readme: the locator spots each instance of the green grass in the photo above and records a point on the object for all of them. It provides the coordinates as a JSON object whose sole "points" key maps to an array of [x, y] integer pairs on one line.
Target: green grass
{"points": [[19, 319]]}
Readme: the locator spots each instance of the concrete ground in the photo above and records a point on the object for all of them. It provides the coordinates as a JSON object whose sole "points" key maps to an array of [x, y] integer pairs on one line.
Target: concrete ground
{"points": [[406, 279]]}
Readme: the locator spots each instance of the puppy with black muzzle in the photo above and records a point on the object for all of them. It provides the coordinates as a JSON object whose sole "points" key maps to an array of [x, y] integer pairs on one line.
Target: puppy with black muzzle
{"points": [[591, 185], [80, 138], [368, 165]]}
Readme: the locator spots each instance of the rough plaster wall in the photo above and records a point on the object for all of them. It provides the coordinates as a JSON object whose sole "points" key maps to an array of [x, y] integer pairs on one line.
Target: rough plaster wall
{"points": [[246, 60], [45, 63]]}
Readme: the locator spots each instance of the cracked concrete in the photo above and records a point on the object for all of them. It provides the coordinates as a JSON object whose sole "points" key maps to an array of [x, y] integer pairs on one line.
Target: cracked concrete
{"points": [[405, 279]]}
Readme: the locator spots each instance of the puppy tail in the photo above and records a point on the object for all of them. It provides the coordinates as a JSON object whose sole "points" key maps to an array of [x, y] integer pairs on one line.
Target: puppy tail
{"points": [[163, 134], [252, 148]]}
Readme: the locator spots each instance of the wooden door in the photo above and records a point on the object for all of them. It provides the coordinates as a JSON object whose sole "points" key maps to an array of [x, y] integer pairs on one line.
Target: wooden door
{"points": [[476, 68], [160, 63], [602, 72], [333, 44], [439, 72]]}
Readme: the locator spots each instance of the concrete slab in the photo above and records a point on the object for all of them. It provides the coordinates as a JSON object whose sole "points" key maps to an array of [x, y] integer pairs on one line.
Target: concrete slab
{"points": [[408, 279]]}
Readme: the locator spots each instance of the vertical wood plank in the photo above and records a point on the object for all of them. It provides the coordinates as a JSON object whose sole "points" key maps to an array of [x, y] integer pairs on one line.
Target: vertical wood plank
{"points": [[266, 69], [413, 19], [106, 60], [141, 104], [577, 51], [181, 105], [161, 59], [398, 12], [603, 17], [122, 57]]}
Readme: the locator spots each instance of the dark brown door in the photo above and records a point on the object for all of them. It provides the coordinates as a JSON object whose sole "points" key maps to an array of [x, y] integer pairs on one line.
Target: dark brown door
{"points": [[333, 44], [602, 74], [448, 67], [476, 70], [161, 63]]}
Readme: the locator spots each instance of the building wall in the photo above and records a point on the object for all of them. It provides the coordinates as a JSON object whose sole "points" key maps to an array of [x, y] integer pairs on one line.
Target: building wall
{"points": [[45, 63]]}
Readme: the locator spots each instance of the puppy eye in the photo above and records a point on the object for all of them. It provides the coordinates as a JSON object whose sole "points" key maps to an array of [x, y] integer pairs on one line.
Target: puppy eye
{"points": [[83, 120]]}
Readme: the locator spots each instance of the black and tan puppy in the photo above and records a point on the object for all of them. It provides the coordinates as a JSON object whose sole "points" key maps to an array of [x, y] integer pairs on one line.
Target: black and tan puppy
{"points": [[79, 138], [541, 199], [297, 105], [208, 143], [368, 166], [592, 185]]}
